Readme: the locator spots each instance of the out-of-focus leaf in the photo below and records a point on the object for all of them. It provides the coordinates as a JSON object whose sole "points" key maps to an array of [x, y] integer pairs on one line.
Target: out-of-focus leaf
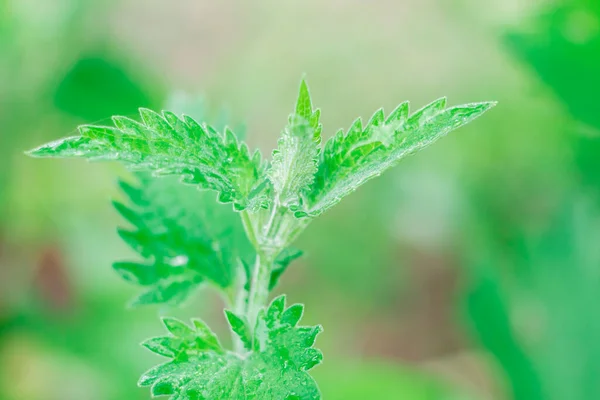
{"points": [[185, 236], [96, 88]]}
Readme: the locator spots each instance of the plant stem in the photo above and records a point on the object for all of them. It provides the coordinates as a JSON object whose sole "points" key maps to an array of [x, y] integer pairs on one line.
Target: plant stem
{"points": [[249, 228], [260, 274], [268, 239], [259, 286]]}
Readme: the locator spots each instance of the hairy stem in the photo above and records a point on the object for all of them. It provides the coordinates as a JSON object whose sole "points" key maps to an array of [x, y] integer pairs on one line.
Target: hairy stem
{"points": [[260, 273], [269, 236], [259, 286]]}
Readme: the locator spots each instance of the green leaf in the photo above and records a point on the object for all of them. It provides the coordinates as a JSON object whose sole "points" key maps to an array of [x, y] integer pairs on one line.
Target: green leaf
{"points": [[240, 327], [275, 369], [283, 260], [185, 236], [166, 144], [295, 159], [184, 340], [364, 152]]}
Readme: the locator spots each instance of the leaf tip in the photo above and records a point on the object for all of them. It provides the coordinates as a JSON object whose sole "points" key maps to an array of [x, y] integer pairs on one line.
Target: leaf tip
{"points": [[304, 102], [36, 152]]}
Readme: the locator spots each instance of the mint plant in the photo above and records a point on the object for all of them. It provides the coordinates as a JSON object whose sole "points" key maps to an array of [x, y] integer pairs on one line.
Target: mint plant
{"points": [[188, 240]]}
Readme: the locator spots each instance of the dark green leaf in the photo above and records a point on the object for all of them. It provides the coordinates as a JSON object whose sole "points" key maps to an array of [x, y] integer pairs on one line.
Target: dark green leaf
{"points": [[186, 237]]}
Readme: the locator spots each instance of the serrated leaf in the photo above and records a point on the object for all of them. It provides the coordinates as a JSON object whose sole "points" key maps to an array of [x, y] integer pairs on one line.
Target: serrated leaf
{"points": [[166, 144], [277, 369], [185, 236], [164, 346], [176, 327], [364, 152], [295, 159], [184, 340]]}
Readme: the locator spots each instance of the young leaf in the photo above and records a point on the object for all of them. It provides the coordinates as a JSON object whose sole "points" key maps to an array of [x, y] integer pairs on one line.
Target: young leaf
{"points": [[186, 237], [276, 369], [285, 258], [169, 145], [364, 152], [295, 159], [240, 327]]}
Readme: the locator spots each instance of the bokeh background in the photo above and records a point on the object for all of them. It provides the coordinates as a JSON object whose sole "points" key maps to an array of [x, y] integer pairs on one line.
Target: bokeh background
{"points": [[471, 271]]}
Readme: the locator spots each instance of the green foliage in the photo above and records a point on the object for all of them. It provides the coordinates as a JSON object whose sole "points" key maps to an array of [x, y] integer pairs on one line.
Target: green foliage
{"points": [[284, 259], [170, 145], [187, 238], [106, 86], [536, 320], [364, 152], [200, 368], [295, 159], [565, 37]]}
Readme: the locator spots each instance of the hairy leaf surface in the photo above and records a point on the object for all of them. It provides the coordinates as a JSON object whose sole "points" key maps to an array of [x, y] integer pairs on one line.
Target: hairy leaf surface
{"points": [[275, 369], [169, 145], [295, 159], [364, 152], [185, 236]]}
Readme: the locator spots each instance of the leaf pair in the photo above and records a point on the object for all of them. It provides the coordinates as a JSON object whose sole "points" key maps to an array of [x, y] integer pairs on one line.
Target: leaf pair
{"points": [[310, 181], [301, 176], [276, 368]]}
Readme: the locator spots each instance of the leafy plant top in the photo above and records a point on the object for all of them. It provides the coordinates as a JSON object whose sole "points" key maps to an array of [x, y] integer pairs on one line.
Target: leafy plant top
{"points": [[187, 239]]}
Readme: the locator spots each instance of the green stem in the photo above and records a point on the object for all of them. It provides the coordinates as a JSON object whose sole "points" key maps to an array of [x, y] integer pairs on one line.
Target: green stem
{"points": [[259, 286], [260, 274], [249, 228], [268, 239]]}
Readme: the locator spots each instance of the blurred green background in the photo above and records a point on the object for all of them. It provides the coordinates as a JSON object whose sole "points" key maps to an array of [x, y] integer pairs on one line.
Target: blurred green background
{"points": [[471, 271]]}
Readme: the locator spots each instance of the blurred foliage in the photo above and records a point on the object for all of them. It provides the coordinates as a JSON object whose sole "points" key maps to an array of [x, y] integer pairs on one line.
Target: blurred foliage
{"points": [[379, 380], [95, 87], [535, 275], [530, 306]]}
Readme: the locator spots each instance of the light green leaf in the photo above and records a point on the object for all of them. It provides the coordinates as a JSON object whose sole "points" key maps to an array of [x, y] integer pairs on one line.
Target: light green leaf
{"points": [[185, 236], [364, 152], [295, 159], [276, 369], [166, 144], [239, 326]]}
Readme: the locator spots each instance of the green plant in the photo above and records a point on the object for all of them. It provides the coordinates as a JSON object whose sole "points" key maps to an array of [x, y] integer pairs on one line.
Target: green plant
{"points": [[188, 239]]}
